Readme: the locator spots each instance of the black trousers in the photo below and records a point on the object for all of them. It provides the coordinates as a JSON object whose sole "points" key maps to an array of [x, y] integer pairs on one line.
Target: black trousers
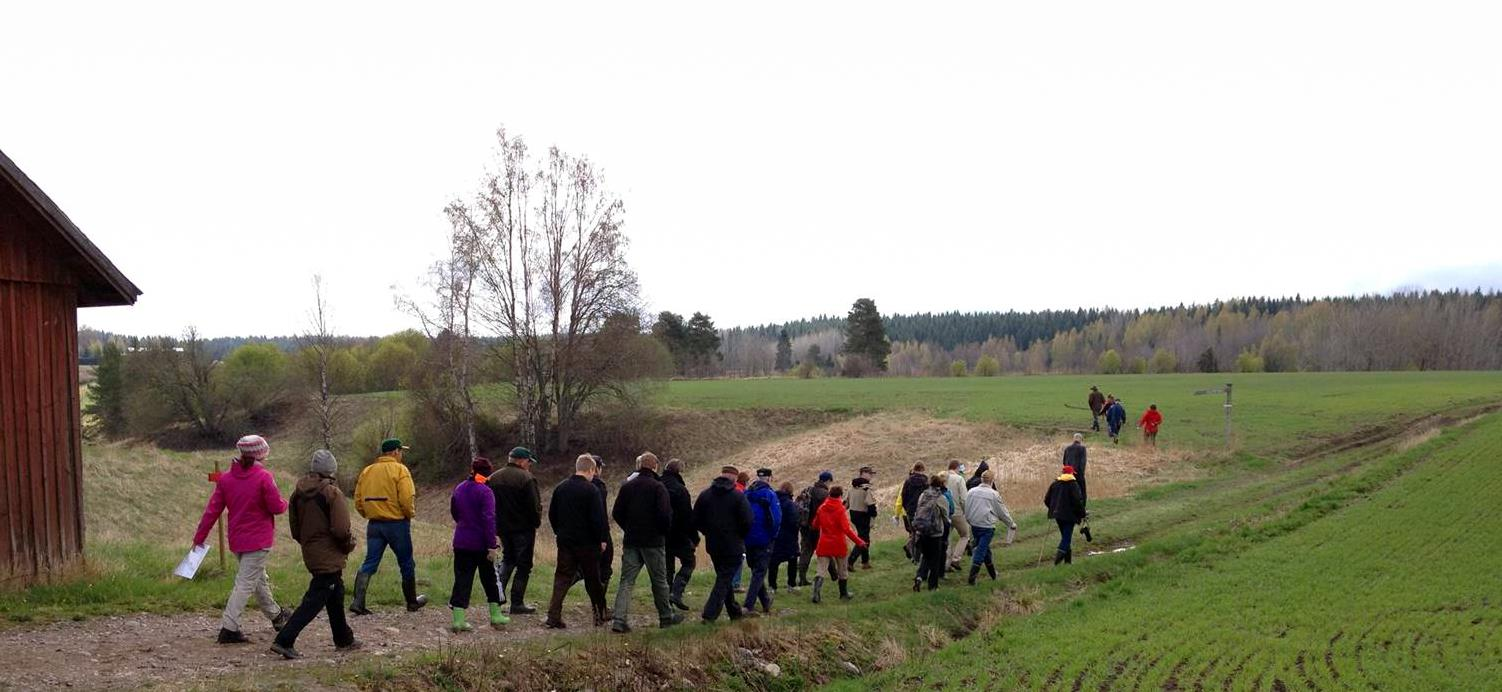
{"points": [[931, 567], [775, 566], [686, 555], [862, 522], [576, 562], [326, 593], [466, 564], [722, 596], [516, 563]]}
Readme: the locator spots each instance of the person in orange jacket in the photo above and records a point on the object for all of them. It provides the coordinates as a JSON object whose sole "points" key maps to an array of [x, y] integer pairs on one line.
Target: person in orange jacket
{"points": [[833, 526], [1149, 423]]}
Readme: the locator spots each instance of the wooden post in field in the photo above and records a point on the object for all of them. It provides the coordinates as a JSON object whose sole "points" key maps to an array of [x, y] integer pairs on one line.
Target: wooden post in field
{"points": [[1227, 406], [214, 478]]}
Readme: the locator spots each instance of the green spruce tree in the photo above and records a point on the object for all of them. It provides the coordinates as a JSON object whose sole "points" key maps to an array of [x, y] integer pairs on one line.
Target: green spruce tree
{"points": [[866, 336], [784, 352], [107, 392]]}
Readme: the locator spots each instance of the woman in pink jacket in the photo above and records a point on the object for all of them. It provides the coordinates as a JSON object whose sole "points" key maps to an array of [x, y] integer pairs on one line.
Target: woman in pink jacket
{"points": [[249, 492]]}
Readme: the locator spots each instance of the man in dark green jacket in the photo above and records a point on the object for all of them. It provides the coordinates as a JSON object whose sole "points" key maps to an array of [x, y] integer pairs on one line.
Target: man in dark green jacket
{"points": [[518, 514]]}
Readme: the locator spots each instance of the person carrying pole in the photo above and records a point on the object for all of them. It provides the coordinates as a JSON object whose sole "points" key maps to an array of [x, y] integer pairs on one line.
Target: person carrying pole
{"points": [[518, 514], [1097, 403]]}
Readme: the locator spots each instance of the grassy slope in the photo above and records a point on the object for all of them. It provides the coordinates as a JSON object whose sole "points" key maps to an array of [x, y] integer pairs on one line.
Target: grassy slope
{"points": [[1184, 533], [1395, 591], [1272, 410]]}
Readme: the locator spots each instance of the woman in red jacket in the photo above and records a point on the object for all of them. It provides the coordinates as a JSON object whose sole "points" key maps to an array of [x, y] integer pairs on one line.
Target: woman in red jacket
{"points": [[1149, 423], [833, 526]]}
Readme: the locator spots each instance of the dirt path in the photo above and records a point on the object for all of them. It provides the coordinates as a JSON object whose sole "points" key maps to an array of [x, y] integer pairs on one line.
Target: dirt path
{"points": [[179, 651]]}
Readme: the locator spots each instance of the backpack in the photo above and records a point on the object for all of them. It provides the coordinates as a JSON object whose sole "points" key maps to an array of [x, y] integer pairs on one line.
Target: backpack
{"points": [[805, 504]]}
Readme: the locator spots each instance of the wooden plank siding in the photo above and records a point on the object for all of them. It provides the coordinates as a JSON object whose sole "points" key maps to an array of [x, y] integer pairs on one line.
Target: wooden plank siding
{"points": [[40, 446], [41, 462]]}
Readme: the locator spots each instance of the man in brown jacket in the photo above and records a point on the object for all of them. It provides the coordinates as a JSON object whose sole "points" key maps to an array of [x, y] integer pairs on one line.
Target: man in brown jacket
{"points": [[319, 520]]}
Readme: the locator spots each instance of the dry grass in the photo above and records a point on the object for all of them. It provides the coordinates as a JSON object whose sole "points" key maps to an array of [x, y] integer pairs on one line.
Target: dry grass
{"points": [[1025, 462]]}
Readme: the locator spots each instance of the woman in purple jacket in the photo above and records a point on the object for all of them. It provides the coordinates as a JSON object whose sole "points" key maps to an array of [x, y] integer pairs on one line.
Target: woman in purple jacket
{"points": [[473, 507]]}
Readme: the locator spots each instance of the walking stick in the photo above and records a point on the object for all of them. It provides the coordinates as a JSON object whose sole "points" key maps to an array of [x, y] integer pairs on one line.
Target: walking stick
{"points": [[1041, 544]]}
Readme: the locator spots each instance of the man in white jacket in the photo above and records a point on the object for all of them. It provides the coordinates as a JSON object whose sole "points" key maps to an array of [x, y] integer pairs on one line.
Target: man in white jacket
{"points": [[955, 483], [983, 509]]}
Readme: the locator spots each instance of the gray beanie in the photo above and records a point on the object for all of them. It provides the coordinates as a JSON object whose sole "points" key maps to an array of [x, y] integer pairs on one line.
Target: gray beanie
{"points": [[324, 463]]}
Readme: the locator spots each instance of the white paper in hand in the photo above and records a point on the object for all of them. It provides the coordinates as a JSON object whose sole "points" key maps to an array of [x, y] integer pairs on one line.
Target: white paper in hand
{"points": [[189, 566]]}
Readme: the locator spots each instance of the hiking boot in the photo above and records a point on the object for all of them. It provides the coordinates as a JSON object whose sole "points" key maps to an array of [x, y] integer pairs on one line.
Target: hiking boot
{"points": [[917, 585], [991, 569], [1069, 556], [608, 613], [286, 652], [974, 570], [619, 627], [415, 601], [232, 637], [1058, 557], [554, 624], [353, 645], [280, 621], [675, 620], [357, 605], [865, 565], [522, 609], [845, 590], [678, 603], [818, 586]]}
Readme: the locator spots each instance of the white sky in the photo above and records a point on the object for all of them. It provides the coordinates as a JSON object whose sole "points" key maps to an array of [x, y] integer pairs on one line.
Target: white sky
{"points": [[777, 161]]}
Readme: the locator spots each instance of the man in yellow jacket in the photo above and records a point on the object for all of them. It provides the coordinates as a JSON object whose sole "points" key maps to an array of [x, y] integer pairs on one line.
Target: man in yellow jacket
{"points": [[386, 497]]}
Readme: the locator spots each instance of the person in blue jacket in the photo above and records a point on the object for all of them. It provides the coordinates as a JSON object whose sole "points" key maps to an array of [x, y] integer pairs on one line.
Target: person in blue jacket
{"points": [[785, 548], [1115, 417], [766, 521]]}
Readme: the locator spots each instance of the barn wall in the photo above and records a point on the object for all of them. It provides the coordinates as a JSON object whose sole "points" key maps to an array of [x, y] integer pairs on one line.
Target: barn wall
{"points": [[41, 485]]}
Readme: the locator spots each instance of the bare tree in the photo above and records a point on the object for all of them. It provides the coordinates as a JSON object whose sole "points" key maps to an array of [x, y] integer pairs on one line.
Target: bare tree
{"points": [[318, 341], [555, 273]]}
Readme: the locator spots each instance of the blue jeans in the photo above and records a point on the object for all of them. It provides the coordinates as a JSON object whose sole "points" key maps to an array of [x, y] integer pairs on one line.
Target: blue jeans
{"points": [[1066, 532], [760, 559], [982, 553], [398, 535]]}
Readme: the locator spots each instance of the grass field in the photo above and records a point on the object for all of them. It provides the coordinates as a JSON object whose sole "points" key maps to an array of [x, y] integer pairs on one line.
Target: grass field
{"points": [[1280, 566], [1273, 411]]}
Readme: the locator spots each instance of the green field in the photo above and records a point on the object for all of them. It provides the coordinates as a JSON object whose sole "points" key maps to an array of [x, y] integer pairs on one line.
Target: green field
{"points": [[1273, 411]]}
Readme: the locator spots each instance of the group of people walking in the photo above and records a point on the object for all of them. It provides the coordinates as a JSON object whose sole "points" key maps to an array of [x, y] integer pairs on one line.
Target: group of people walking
{"points": [[1109, 407], [496, 512]]}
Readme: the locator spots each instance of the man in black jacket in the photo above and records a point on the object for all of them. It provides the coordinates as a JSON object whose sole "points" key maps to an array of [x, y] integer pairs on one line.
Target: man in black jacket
{"points": [[912, 489], [683, 539], [607, 558], [1097, 402], [645, 514], [578, 520], [816, 495], [518, 513], [724, 517], [1074, 456]]}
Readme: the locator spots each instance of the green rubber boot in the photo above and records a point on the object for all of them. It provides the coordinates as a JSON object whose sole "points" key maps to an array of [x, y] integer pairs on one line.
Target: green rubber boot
{"points": [[459, 624], [496, 617]]}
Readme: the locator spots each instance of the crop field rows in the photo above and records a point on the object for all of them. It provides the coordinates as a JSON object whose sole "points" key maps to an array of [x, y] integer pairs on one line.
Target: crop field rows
{"points": [[1395, 590]]}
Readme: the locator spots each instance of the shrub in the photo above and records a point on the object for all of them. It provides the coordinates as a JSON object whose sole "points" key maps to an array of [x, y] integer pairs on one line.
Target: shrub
{"points": [[957, 369], [987, 367], [1139, 366], [1163, 362], [1109, 362], [805, 370], [1249, 362]]}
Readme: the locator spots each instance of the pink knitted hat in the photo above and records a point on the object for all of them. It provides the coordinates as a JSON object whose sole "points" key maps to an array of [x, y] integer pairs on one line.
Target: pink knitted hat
{"points": [[253, 447]]}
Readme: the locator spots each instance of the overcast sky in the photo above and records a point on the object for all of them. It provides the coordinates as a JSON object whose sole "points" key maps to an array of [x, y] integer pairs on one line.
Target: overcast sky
{"points": [[776, 161]]}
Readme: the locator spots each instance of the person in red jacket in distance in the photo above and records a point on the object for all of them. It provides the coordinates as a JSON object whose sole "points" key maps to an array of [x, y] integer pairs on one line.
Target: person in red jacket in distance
{"points": [[833, 524], [1149, 423]]}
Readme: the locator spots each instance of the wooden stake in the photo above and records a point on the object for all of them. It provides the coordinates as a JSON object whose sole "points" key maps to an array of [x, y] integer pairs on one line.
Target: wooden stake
{"points": [[222, 519]]}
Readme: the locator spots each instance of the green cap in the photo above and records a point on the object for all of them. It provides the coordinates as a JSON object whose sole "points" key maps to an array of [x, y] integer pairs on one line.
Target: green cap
{"points": [[392, 444], [521, 453]]}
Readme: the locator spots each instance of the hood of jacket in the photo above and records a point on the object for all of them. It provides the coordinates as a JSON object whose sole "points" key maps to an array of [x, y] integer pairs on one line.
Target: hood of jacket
{"points": [[722, 485], [311, 484], [759, 485], [241, 472], [673, 478]]}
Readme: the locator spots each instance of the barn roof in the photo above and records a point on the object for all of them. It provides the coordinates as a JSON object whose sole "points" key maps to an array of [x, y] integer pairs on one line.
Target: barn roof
{"points": [[102, 283]]}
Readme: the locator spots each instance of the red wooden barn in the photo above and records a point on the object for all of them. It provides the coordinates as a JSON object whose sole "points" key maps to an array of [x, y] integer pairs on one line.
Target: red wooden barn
{"points": [[48, 270]]}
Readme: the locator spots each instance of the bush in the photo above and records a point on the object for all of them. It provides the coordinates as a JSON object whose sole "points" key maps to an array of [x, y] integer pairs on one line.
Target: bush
{"points": [[805, 370], [957, 369], [987, 367], [1163, 362], [1110, 362], [1249, 362], [1139, 366]]}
